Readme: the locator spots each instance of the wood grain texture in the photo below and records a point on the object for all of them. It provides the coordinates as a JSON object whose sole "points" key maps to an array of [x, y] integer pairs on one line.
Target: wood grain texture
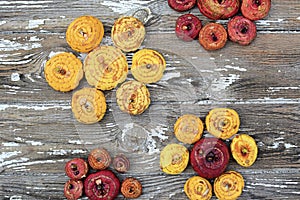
{"points": [[38, 132]]}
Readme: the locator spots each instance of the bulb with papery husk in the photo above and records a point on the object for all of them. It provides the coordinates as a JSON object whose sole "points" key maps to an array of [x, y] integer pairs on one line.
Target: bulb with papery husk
{"points": [[218, 9], [229, 186], [244, 150]]}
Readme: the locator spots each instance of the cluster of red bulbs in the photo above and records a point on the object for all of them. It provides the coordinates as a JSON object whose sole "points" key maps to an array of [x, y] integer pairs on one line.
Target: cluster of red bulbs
{"points": [[213, 36], [94, 178]]}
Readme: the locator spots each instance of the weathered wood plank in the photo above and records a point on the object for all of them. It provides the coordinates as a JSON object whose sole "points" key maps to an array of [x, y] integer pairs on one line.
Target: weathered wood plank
{"points": [[261, 70], [274, 126], [49, 17], [266, 184]]}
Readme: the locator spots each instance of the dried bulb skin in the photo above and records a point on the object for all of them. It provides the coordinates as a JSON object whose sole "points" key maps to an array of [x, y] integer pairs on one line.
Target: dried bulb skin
{"points": [[63, 72], [99, 159], [222, 122], [73, 189], [241, 30], [131, 188], [244, 150], [188, 27], [198, 188], [76, 168], [229, 186], [105, 67], [174, 158], [209, 157], [217, 9], [188, 129], [255, 9], [102, 185], [148, 66], [85, 33], [88, 105], [133, 97], [121, 163], [181, 5], [128, 33], [213, 36]]}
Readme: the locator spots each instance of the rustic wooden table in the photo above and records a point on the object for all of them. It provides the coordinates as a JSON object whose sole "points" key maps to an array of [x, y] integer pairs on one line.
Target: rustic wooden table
{"points": [[39, 133]]}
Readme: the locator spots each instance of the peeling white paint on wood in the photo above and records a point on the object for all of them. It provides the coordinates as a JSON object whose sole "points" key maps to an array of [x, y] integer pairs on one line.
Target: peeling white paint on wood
{"points": [[29, 55], [37, 188], [224, 81], [79, 142], [206, 71], [23, 162], [268, 22], [241, 69], [6, 155], [249, 101], [277, 89], [10, 92], [24, 6], [127, 128], [280, 138], [268, 185], [279, 32], [20, 62], [158, 132], [176, 192], [44, 31], [15, 162], [168, 76], [21, 169], [286, 145], [19, 139], [61, 152], [34, 143], [10, 144], [275, 145], [220, 69], [268, 100], [75, 142], [170, 68], [2, 22], [14, 77], [34, 39], [24, 2], [122, 6], [8, 55], [11, 87], [4, 56], [29, 77], [8, 45], [14, 197], [147, 137], [35, 23], [35, 107]]}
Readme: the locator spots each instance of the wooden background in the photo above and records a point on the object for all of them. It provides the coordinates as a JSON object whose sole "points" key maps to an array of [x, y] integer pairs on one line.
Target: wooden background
{"points": [[39, 134]]}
